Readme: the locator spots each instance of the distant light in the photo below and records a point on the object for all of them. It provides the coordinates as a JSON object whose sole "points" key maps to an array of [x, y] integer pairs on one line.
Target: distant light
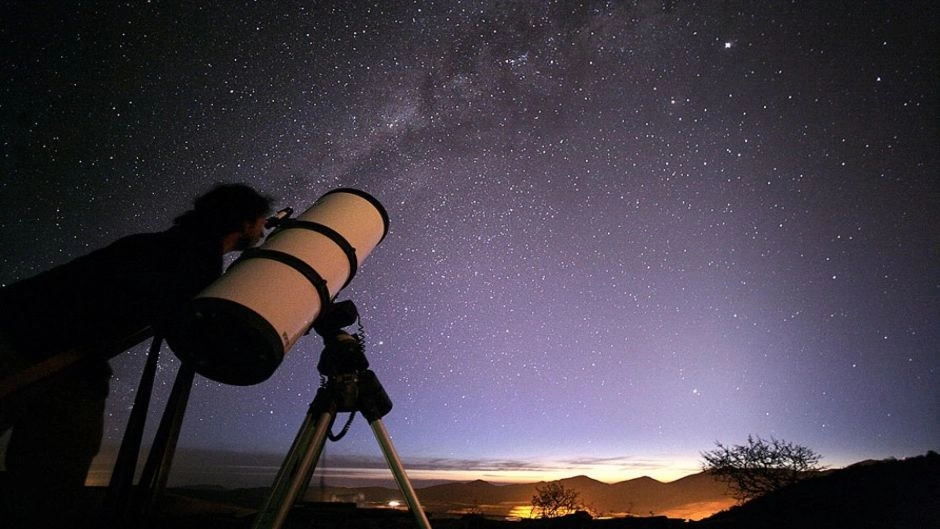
{"points": [[394, 504], [728, 44]]}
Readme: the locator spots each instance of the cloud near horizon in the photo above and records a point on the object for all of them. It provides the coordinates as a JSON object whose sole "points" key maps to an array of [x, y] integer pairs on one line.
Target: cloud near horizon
{"points": [[240, 469]]}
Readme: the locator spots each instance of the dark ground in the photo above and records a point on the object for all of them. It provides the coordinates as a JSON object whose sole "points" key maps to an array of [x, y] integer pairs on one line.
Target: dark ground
{"points": [[871, 495], [877, 495]]}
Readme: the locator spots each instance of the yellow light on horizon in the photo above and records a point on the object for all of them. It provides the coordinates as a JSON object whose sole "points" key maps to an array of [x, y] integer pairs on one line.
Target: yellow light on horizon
{"points": [[521, 511]]}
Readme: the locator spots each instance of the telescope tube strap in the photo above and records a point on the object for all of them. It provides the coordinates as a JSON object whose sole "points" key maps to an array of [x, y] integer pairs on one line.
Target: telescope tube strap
{"points": [[294, 262], [331, 234]]}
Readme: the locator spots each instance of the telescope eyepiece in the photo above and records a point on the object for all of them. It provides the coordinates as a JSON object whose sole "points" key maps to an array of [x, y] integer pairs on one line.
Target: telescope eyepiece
{"points": [[275, 220]]}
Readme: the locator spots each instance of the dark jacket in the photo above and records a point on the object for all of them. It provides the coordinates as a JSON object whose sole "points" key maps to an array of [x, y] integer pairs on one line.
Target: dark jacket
{"points": [[99, 300]]}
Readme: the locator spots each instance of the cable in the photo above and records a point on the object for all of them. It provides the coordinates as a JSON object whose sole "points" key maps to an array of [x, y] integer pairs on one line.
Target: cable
{"points": [[342, 433]]}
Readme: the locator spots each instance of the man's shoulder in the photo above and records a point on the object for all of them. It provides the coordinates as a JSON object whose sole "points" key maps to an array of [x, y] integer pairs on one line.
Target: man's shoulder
{"points": [[174, 239]]}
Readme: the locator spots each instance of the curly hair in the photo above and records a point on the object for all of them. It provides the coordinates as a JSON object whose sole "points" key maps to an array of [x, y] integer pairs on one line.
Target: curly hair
{"points": [[224, 209]]}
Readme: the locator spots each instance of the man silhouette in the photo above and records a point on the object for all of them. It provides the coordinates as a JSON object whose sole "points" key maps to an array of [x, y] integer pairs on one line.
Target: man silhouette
{"points": [[93, 308]]}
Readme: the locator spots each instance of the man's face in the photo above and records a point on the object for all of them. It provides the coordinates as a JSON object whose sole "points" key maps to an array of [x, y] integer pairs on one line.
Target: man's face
{"points": [[251, 234]]}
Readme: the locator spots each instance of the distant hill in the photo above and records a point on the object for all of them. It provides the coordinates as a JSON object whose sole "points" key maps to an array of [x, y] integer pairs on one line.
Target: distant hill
{"points": [[692, 497]]}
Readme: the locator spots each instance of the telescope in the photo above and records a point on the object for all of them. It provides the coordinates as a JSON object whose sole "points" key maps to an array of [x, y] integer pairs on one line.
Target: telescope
{"points": [[239, 328]]}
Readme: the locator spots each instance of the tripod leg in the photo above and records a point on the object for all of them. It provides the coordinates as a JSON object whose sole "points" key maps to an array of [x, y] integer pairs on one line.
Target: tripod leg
{"points": [[298, 466], [156, 471], [394, 464], [122, 477]]}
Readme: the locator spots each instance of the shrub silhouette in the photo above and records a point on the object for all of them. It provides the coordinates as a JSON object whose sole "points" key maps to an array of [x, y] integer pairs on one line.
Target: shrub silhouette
{"points": [[760, 466], [555, 499]]}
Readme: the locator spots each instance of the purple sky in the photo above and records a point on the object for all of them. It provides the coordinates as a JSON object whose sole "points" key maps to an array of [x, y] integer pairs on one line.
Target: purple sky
{"points": [[619, 231]]}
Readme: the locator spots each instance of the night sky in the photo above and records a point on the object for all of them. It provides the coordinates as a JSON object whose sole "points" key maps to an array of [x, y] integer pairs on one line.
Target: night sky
{"points": [[620, 231]]}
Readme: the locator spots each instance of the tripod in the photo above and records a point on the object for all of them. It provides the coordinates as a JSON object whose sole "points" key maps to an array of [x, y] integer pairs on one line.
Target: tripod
{"points": [[350, 386]]}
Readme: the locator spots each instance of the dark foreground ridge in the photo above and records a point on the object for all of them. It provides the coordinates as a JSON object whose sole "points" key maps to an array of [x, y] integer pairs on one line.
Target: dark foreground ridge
{"points": [[874, 494]]}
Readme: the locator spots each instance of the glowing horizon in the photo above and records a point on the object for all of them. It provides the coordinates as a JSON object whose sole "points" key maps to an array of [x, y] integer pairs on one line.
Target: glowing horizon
{"points": [[205, 467]]}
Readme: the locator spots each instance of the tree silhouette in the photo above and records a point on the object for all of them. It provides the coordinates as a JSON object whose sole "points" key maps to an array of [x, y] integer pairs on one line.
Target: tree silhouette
{"points": [[555, 499], [760, 466]]}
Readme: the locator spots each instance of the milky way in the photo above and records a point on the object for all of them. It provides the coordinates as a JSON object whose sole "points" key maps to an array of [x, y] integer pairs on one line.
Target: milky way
{"points": [[619, 231]]}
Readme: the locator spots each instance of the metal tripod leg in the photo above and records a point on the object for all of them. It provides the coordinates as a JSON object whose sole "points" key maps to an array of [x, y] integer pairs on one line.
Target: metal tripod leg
{"points": [[302, 459], [299, 464], [156, 471], [122, 477], [120, 507], [394, 464]]}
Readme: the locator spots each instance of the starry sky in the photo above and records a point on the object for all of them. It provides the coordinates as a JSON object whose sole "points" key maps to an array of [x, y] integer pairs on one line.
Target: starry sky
{"points": [[620, 231]]}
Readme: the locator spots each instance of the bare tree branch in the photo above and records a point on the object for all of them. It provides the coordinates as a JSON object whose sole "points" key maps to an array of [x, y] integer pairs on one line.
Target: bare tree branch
{"points": [[554, 499], [760, 466]]}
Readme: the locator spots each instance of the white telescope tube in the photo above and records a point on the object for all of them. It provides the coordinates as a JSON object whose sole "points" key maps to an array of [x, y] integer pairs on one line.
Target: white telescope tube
{"points": [[239, 328]]}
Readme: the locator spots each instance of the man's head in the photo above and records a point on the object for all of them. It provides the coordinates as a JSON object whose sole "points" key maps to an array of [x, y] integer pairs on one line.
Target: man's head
{"points": [[233, 213]]}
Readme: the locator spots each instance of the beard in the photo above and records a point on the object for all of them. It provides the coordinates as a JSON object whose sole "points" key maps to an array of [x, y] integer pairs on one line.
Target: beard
{"points": [[246, 241]]}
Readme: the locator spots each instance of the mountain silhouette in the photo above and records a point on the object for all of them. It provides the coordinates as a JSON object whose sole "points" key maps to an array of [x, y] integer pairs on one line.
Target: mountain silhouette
{"points": [[698, 495]]}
